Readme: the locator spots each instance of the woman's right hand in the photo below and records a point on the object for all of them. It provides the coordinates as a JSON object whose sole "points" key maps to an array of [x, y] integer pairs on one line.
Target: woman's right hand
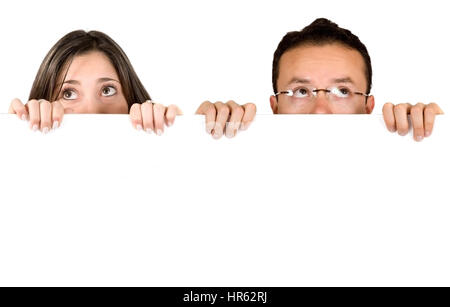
{"points": [[43, 115]]}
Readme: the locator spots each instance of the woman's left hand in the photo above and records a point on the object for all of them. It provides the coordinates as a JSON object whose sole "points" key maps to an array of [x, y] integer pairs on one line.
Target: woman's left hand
{"points": [[150, 116]]}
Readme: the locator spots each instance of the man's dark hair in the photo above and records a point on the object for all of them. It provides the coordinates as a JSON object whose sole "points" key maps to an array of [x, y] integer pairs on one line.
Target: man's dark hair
{"points": [[321, 32]]}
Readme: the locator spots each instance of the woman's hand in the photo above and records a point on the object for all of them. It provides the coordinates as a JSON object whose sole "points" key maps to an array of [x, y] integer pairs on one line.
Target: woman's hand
{"points": [[43, 115], [422, 118], [226, 118], [151, 116]]}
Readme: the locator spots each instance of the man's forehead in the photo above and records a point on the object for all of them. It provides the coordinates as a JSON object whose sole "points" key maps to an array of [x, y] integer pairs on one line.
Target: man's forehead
{"points": [[329, 62]]}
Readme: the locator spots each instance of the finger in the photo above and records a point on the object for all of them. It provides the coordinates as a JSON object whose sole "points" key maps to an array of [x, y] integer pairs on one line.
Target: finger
{"points": [[46, 115], [158, 117], [136, 116], [34, 114], [401, 117], [436, 108], [57, 114], [223, 112], [237, 113], [171, 112], [389, 118], [17, 107], [417, 121], [147, 116], [249, 115], [209, 110], [429, 116]]}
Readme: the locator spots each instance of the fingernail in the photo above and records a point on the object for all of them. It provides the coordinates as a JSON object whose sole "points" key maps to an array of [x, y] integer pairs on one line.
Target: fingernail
{"points": [[216, 136], [427, 133], [169, 124], [139, 127], [419, 138], [210, 127], [159, 132], [35, 127], [55, 124], [45, 130], [24, 117], [148, 130], [243, 127], [229, 134]]}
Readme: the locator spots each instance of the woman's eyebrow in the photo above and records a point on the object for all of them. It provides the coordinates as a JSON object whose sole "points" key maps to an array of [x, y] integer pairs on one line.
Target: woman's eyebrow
{"points": [[75, 82], [100, 80]]}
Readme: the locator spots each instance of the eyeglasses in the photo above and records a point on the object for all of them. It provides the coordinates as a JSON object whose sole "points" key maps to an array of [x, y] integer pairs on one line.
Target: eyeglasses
{"points": [[335, 94]]}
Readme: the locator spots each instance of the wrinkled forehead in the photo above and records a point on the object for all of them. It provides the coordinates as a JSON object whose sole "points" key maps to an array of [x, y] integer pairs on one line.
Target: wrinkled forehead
{"points": [[322, 64], [88, 67]]}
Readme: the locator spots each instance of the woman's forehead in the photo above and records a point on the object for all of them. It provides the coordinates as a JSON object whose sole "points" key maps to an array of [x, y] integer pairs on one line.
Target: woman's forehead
{"points": [[91, 66]]}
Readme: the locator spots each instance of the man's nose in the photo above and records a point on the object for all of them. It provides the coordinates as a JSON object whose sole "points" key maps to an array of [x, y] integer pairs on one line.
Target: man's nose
{"points": [[321, 104]]}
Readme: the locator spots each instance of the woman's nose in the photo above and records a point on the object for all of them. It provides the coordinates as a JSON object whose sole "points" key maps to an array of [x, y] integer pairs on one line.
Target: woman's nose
{"points": [[93, 105]]}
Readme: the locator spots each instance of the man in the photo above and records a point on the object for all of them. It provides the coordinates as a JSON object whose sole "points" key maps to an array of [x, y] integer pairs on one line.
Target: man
{"points": [[325, 69]]}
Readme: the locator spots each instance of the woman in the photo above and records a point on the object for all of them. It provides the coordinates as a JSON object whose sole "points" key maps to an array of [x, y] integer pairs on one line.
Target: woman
{"points": [[87, 72]]}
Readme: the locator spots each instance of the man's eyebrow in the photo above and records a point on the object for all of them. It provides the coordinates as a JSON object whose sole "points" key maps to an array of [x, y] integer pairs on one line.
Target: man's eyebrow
{"points": [[299, 80], [343, 80]]}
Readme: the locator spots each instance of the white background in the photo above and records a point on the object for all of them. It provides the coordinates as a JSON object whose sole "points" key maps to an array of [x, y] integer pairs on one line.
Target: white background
{"points": [[295, 200], [186, 52]]}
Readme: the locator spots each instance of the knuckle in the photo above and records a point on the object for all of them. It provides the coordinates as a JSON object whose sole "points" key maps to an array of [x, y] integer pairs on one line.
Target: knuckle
{"points": [[420, 105], [32, 102], [158, 106], [432, 105], [416, 110], [388, 107], [210, 107], [251, 106], [399, 107]]}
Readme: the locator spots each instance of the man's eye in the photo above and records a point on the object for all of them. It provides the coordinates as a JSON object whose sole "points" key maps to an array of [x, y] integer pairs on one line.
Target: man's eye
{"points": [[108, 91], [301, 92], [69, 95], [342, 92]]}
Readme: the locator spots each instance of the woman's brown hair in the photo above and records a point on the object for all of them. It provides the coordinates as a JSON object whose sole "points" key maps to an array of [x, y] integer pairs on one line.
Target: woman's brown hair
{"points": [[81, 42]]}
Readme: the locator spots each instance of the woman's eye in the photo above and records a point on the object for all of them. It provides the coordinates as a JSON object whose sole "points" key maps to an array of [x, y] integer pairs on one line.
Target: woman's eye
{"points": [[301, 92], [69, 95], [109, 91]]}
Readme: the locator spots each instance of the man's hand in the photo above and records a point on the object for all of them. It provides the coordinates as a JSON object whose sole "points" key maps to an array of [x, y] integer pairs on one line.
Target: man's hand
{"points": [[226, 118], [422, 118]]}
